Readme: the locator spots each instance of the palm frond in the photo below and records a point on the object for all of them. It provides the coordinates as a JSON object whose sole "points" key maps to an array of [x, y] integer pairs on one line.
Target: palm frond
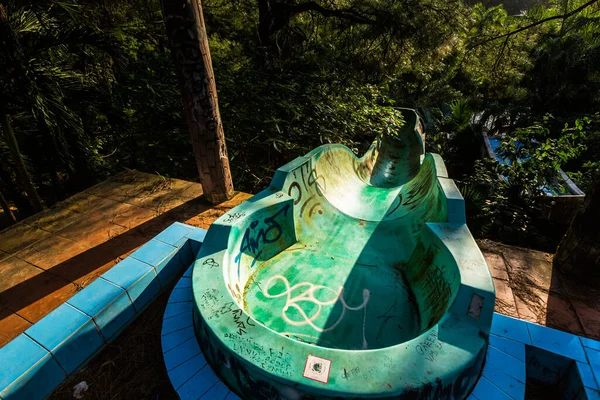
{"points": [[24, 21]]}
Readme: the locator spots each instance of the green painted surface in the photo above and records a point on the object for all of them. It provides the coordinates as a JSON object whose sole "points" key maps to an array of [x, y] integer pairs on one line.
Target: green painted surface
{"points": [[347, 277]]}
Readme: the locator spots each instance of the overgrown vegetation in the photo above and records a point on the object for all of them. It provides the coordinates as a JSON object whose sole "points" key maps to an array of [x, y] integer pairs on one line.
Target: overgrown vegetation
{"points": [[508, 200], [89, 88]]}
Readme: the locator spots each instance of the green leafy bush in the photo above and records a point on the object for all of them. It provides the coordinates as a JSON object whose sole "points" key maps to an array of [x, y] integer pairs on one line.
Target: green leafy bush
{"points": [[513, 192]]}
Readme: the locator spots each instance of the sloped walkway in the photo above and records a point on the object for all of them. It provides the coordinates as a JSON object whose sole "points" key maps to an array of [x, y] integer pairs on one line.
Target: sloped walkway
{"points": [[48, 257], [528, 288]]}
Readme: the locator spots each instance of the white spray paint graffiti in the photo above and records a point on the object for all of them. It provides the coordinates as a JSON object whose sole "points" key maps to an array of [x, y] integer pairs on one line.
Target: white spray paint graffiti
{"points": [[307, 293]]}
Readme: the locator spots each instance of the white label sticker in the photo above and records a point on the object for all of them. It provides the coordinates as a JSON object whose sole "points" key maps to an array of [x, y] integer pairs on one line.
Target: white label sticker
{"points": [[317, 369]]}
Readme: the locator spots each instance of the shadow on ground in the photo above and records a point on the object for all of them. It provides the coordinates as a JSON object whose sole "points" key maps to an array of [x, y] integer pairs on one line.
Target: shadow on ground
{"points": [[131, 367]]}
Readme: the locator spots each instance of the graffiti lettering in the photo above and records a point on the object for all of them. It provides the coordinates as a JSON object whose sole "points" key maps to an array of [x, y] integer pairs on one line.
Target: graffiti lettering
{"points": [[432, 355], [309, 179], [351, 373], [225, 308], [210, 297], [211, 263], [370, 373], [274, 360], [429, 346], [254, 240], [277, 360], [241, 325], [416, 194], [246, 350], [437, 287], [306, 293], [295, 185], [388, 363], [233, 217]]}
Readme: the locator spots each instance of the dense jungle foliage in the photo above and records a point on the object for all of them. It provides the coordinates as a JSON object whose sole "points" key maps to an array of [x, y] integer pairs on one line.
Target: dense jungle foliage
{"points": [[88, 88]]}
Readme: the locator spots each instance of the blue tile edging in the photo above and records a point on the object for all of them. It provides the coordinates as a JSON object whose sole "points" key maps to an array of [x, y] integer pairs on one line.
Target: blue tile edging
{"points": [[504, 373], [503, 376], [190, 374], [34, 363]]}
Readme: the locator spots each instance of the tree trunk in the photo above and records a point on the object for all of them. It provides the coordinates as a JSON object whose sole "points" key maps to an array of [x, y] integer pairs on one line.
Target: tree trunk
{"points": [[6, 208], [11, 189], [13, 145], [8, 40], [578, 253], [189, 44], [265, 22]]}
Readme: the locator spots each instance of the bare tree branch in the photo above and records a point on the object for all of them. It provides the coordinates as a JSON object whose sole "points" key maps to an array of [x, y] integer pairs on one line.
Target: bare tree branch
{"points": [[499, 58], [275, 15], [542, 21], [348, 14]]}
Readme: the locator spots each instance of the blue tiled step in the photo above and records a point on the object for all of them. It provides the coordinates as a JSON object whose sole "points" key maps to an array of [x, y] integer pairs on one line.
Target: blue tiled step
{"points": [[190, 374], [503, 377], [506, 362], [37, 361]]}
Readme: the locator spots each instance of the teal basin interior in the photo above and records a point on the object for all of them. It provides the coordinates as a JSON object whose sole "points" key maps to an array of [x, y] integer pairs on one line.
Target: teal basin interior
{"points": [[347, 277]]}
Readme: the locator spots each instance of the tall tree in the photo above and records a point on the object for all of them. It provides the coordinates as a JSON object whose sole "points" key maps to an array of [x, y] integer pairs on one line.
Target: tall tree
{"points": [[11, 141], [189, 44], [6, 207], [579, 251], [10, 44], [274, 15], [45, 76]]}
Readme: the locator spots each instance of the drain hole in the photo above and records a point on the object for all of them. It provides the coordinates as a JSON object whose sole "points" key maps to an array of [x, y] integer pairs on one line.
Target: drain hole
{"points": [[551, 376]]}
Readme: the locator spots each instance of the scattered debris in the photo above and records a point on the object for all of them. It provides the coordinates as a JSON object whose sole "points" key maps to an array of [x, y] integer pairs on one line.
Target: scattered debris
{"points": [[80, 389]]}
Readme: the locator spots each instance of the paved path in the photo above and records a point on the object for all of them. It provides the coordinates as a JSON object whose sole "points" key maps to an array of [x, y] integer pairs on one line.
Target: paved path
{"points": [[47, 258], [528, 288]]}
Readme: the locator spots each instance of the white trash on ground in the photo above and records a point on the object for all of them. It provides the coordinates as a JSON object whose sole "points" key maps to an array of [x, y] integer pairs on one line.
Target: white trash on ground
{"points": [[79, 389]]}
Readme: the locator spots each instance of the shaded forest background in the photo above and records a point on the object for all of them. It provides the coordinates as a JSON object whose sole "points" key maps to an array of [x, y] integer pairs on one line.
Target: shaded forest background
{"points": [[88, 88]]}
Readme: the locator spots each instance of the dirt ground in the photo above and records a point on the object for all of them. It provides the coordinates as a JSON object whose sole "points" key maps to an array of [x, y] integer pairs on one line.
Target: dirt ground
{"points": [[131, 367]]}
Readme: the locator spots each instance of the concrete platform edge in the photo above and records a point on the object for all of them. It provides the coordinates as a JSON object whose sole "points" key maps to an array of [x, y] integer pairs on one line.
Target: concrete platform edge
{"points": [[503, 376], [30, 368]]}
